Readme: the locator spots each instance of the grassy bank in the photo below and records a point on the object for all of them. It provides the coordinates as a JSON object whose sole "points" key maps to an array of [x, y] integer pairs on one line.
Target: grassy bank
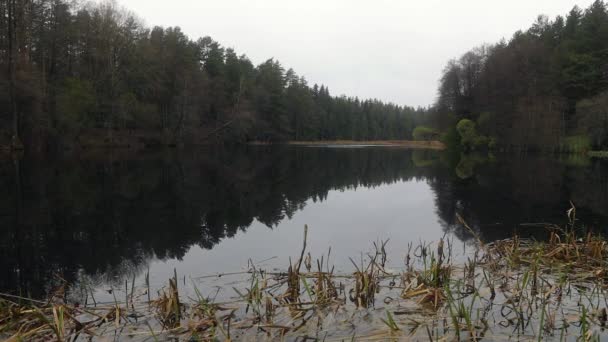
{"points": [[511, 289], [437, 145], [598, 154]]}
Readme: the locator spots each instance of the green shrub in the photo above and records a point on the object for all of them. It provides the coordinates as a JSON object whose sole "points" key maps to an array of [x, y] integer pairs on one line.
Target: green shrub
{"points": [[425, 133], [469, 138], [576, 144], [598, 154]]}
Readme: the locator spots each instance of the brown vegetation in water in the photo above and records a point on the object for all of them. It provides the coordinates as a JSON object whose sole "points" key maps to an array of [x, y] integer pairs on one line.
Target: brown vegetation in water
{"points": [[515, 288]]}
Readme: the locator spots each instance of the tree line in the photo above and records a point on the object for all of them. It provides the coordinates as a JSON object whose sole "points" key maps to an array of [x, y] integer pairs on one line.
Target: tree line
{"points": [[90, 74], [544, 89]]}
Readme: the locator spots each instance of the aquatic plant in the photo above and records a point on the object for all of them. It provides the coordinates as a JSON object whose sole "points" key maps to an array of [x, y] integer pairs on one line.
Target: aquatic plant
{"points": [[514, 288]]}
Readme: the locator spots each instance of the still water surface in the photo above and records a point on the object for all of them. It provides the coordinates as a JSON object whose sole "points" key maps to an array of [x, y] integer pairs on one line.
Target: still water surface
{"points": [[106, 217]]}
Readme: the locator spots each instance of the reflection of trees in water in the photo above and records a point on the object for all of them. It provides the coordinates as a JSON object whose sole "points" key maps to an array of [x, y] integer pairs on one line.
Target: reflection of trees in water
{"points": [[94, 215], [500, 196]]}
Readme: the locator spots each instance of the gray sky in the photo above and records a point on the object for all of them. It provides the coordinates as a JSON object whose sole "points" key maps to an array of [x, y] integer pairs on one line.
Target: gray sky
{"points": [[386, 49]]}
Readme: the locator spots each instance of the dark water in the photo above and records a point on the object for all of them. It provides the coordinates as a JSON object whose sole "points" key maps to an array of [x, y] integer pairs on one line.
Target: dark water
{"points": [[104, 217]]}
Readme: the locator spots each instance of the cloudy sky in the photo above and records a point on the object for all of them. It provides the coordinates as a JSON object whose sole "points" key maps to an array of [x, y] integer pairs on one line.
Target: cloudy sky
{"points": [[392, 50]]}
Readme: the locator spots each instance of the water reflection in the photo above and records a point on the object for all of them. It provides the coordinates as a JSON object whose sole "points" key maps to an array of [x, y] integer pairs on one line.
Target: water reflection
{"points": [[109, 214]]}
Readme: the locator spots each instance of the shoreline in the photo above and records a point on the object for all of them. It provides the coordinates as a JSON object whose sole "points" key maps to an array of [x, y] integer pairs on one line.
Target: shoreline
{"points": [[434, 145], [598, 154]]}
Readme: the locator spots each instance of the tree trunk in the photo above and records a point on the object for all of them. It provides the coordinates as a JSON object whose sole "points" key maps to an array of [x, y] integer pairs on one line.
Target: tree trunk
{"points": [[16, 143], [177, 134], [12, 61]]}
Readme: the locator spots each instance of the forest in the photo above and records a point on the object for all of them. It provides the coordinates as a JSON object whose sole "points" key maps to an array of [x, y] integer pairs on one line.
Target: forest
{"points": [[545, 89], [91, 74], [82, 74]]}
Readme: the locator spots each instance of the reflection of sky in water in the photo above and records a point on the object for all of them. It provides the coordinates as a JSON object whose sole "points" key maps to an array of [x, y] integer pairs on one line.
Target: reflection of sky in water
{"points": [[347, 221], [107, 219]]}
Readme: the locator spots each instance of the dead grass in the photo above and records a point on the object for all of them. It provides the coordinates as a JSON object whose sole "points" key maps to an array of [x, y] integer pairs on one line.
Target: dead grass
{"points": [[515, 288]]}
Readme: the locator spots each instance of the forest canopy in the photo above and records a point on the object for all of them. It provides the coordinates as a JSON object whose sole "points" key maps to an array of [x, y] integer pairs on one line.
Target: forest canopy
{"points": [[77, 73], [544, 89], [93, 74]]}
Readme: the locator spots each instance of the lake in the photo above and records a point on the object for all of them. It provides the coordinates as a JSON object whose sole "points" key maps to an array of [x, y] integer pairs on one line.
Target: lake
{"points": [[101, 218]]}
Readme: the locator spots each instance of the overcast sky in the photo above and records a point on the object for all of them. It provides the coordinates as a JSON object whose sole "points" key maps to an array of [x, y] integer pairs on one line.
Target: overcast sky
{"points": [[393, 50]]}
